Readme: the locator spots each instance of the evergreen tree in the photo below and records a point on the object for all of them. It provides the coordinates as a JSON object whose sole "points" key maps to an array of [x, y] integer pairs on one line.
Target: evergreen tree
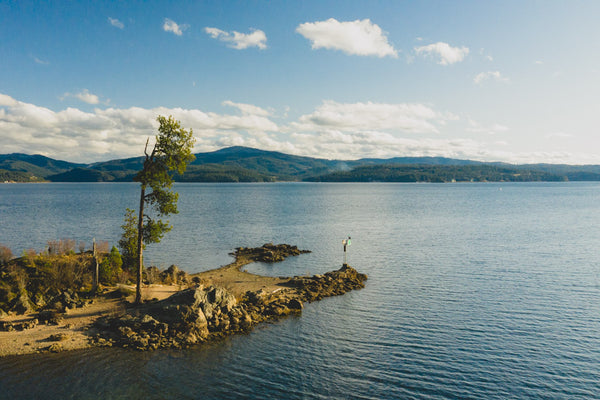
{"points": [[128, 241], [172, 152]]}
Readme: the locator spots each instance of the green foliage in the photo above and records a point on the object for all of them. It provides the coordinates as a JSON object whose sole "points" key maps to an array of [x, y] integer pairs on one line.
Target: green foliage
{"points": [[437, 173], [222, 173], [18, 176], [129, 239], [171, 153], [41, 277], [110, 267], [81, 175]]}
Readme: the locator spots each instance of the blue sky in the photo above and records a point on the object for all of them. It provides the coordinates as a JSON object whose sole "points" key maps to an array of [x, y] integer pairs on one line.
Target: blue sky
{"points": [[514, 81]]}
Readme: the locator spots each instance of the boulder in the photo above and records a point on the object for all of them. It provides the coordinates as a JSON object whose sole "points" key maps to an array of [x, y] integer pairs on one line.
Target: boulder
{"points": [[55, 348], [7, 326], [59, 337], [50, 317], [185, 318], [295, 304], [22, 304]]}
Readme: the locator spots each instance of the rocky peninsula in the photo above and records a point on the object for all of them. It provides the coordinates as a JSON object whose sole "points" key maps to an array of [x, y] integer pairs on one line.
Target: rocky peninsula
{"points": [[194, 309]]}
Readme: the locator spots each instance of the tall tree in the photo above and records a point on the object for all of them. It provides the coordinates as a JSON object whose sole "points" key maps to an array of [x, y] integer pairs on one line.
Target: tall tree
{"points": [[172, 152]]}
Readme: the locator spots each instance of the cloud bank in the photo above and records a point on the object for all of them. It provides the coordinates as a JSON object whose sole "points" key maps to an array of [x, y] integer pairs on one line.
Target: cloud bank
{"points": [[332, 130], [360, 37]]}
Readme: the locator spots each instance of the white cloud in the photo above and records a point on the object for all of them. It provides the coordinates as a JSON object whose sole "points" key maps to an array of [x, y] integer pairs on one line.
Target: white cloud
{"points": [[171, 26], [476, 127], [248, 109], [402, 117], [40, 61], [84, 96], [489, 75], [116, 23], [360, 37], [446, 54], [486, 56], [102, 134], [332, 130], [240, 41]]}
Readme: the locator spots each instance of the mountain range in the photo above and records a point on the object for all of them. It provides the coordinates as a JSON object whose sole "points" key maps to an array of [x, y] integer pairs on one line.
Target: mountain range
{"points": [[244, 164]]}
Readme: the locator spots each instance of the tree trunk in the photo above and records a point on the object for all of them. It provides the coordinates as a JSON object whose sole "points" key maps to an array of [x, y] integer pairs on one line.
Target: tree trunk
{"points": [[140, 262]]}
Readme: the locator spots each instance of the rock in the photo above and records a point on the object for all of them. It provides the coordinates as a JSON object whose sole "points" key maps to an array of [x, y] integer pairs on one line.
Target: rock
{"points": [[55, 348], [21, 326], [50, 317], [269, 252], [195, 315], [59, 337], [295, 304], [177, 321], [7, 326], [22, 304], [331, 284], [39, 300]]}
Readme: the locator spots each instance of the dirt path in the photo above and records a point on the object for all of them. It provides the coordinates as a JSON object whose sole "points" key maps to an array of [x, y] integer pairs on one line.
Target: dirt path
{"points": [[238, 282], [72, 330]]}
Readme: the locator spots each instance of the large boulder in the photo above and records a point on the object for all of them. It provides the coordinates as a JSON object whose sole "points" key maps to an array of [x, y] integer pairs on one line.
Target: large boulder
{"points": [[185, 318]]}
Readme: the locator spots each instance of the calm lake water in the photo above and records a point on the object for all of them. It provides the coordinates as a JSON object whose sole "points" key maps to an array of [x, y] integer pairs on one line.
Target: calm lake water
{"points": [[475, 291]]}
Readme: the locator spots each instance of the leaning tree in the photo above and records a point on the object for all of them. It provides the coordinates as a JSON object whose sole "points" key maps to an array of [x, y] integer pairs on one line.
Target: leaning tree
{"points": [[172, 152]]}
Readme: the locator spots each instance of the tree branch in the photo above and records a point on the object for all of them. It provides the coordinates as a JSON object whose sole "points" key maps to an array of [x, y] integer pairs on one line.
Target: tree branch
{"points": [[146, 148]]}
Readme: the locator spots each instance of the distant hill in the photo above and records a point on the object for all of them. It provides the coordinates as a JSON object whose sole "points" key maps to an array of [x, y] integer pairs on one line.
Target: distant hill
{"points": [[233, 164], [244, 164], [31, 168], [81, 175]]}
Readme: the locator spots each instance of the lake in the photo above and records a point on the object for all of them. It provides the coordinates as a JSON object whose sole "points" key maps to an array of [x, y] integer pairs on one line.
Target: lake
{"points": [[475, 291]]}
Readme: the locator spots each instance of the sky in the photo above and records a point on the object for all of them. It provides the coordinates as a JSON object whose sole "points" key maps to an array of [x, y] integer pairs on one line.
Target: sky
{"points": [[513, 81]]}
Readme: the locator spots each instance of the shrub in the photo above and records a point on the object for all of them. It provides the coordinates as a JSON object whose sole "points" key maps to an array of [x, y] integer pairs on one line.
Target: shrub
{"points": [[5, 254], [102, 247], [110, 267], [60, 247]]}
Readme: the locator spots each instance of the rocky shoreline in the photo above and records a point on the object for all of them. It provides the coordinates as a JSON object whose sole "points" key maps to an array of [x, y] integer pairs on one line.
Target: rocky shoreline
{"points": [[203, 313], [189, 310]]}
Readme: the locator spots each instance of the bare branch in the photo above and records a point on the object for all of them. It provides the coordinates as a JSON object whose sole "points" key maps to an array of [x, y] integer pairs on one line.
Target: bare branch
{"points": [[146, 148]]}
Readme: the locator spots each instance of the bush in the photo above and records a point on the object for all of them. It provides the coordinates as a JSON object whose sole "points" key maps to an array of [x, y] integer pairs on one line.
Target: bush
{"points": [[5, 254], [60, 247], [110, 267]]}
